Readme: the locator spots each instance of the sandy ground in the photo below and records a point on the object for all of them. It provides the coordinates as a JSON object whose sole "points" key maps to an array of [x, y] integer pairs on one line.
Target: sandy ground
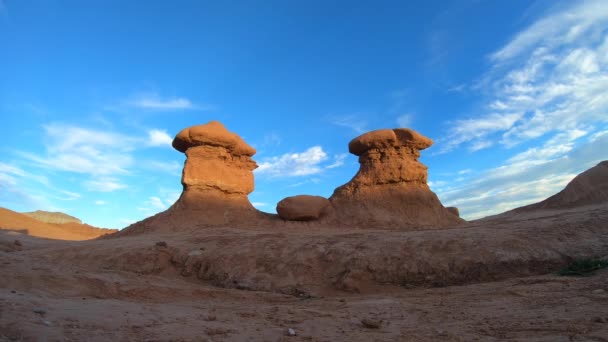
{"points": [[201, 286]]}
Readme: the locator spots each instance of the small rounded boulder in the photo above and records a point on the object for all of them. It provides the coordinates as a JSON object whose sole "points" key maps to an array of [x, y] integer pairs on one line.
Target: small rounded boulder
{"points": [[302, 208]]}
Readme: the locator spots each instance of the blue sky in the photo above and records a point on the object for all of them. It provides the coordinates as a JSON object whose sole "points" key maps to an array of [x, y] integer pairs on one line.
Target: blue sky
{"points": [[92, 92]]}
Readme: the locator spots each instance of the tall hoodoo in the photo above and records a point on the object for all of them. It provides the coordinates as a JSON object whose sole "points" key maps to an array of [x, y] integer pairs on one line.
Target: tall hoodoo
{"points": [[217, 160], [390, 187], [217, 175]]}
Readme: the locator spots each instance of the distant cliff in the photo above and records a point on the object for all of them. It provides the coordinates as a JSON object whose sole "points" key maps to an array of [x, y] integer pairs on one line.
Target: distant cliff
{"points": [[52, 217]]}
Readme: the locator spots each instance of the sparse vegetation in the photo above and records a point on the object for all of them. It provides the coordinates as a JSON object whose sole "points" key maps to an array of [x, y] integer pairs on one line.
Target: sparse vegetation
{"points": [[583, 268]]}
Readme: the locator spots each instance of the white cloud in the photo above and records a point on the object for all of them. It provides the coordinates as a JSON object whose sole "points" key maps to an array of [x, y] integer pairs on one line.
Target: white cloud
{"points": [[405, 120], [259, 204], [338, 161], [351, 121], [156, 203], [68, 195], [551, 78], [80, 150], [157, 137], [294, 164], [154, 102], [100, 202], [104, 184], [559, 28], [9, 173]]}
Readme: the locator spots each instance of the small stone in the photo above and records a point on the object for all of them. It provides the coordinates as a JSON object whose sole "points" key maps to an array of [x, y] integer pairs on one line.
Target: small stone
{"points": [[39, 311], [598, 291], [210, 318], [291, 332], [161, 244], [599, 320], [17, 243], [371, 323], [195, 252], [47, 323], [13, 291]]}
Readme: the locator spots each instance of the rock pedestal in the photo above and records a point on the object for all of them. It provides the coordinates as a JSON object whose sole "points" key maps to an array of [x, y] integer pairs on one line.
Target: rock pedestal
{"points": [[390, 189]]}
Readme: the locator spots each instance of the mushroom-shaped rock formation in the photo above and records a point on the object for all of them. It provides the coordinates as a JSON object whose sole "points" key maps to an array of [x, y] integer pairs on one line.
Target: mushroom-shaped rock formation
{"points": [[218, 173], [217, 177], [390, 188], [217, 161], [303, 208]]}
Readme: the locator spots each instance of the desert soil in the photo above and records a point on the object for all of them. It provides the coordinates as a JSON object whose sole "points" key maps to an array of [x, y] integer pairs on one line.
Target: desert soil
{"points": [[131, 289]]}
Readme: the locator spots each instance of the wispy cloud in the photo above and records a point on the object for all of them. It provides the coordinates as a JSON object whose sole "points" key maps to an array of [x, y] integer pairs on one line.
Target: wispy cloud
{"points": [[405, 120], [294, 164], [550, 78], [155, 102], [338, 161], [100, 202], [80, 150], [353, 122], [68, 195], [155, 204], [157, 137], [104, 184]]}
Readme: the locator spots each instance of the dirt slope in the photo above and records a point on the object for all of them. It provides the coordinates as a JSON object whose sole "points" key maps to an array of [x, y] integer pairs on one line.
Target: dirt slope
{"points": [[589, 187], [10, 220]]}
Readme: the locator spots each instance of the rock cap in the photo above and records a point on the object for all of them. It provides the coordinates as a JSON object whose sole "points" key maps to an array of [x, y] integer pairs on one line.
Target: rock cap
{"points": [[212, 133], [384, 138]]}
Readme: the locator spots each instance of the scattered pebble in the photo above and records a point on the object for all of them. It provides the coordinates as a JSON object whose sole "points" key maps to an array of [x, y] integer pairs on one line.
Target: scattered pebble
{"points": [[598, 291], [39, 311], [17, 243], [371, 323], [13, 291], [599, 320], [291, 332], [210, 318], [161, 244], [47, 323]]}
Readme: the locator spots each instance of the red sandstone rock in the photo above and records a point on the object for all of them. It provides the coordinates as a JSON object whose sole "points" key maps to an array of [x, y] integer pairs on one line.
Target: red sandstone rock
{"points": [[390, 187], [302, 207], [211, 134]]}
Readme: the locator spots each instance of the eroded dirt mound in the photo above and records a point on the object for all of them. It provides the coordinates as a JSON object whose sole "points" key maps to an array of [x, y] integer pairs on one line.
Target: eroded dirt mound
{"points": [[10, 220], [319, 260]]}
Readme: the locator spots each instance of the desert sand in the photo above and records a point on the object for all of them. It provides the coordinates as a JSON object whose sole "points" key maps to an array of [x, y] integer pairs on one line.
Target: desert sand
{"points": [[212, 268]]}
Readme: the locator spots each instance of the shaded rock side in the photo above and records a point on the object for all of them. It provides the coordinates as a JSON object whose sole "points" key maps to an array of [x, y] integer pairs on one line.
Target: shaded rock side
{"points": [[390, 189], [454, 211], [303, 208]]}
